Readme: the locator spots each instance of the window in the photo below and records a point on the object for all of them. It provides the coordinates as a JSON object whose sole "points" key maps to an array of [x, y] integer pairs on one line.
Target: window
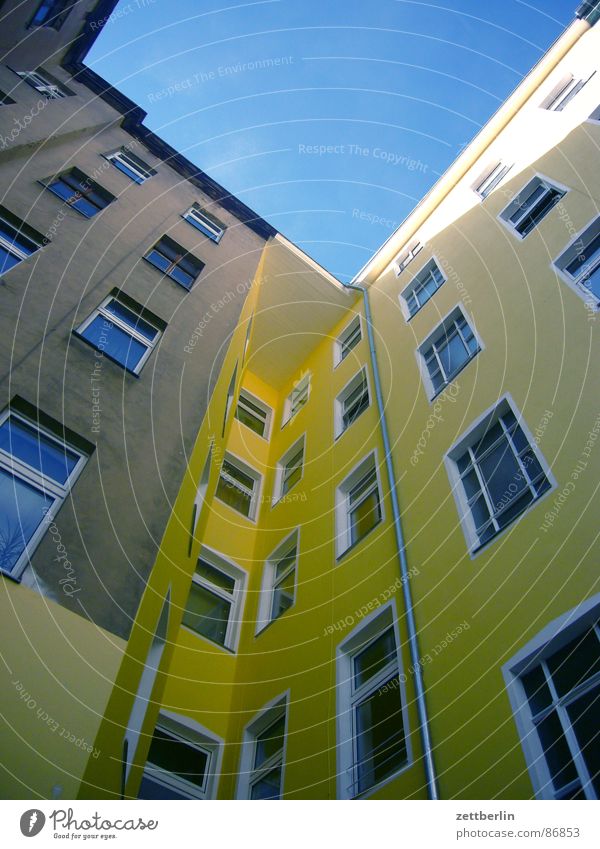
{"points": [[263, 754], [205, 222], [580, 264], [79, 192], [297, 398], [46, 84], [406, 256], [253, 413], [490, 179], [498, 474], [17, 240], [532, 204], [182, 761], [595, 116], [175, 262], [351, 402], [200, 495], [238, 486], [51, 13], [123, 330], [279, 582], [134, 167], [421, 288], [347, 340], [564, 92], [358, 505], [37, 470], [372, 739], [289, 470], [5, 100], [554, 687], [447, 351], [213, 608]]}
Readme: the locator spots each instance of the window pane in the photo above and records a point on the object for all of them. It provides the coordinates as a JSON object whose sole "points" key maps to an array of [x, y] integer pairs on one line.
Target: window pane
{"points": [[584, 714], [269, 786], [207, 614], [269, 742], [502, 474], [177, 757], [365, 516], [575, 663], [22, 508], [453, 354], [251, 415], [181, 276], [283, 595], [374, 657], [537, 690], [585, 257], [556, 751], [32, 447], [129, 317], [158, 260], [380, 743], [126, 169], [7, 260], [216, 576], [114, 342]]}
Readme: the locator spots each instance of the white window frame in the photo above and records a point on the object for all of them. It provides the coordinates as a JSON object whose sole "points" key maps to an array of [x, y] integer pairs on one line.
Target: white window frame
{"points": [[491, 178], [254, 494], [576, 247], [268, 412], [361, 376], [359, 638], [35, 79], [438, 333], [267, 716], [222, 564], [132, 162], [204, 222], [268, 585], [339, 351], [343, 536], [198, 737], [469, 438], [301, 386], [550, 639], [16, 250], [40, 482], [565, 91], [280, 469], [416, 284], [523, 197], [127, 328], [406, 256]]}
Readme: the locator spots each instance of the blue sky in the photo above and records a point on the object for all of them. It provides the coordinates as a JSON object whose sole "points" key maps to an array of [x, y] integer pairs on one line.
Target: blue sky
{"points": [[330, 118]]}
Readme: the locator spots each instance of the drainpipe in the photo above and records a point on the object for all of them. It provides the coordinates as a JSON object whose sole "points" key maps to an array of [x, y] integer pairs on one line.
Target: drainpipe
{"points": [[410, 617]]}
